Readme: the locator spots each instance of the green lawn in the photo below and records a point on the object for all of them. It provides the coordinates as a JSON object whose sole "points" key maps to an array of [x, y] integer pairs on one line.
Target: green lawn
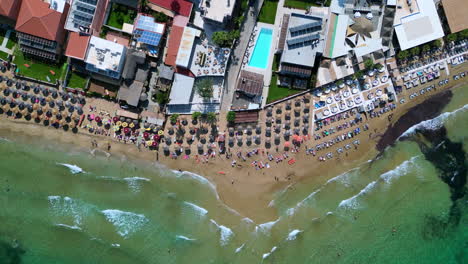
{"points": [[2, 35], [120, 14], [300, 4], [37, 69], [275, 92], [12, 40], [3, 55], [268, 12], [77, 80]]}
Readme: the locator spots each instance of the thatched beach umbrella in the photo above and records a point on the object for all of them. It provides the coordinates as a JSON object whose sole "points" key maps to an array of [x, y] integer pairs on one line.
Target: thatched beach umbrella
{"points": [[268, 143], [268, 132], [287, 124], [297, 112], [257, 140], [258, 129], [189, 139], [277, 129], [306, 118], [279, 110], [249, 130], [288, 106], [297, 122], [277, 139]]}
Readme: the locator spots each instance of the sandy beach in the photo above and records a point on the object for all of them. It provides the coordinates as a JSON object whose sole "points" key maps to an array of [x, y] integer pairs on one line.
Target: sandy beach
{"points": [[243, 188]]}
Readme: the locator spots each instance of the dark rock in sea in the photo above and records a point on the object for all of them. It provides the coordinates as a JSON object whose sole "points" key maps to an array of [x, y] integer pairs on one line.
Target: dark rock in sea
{"points": [[10, 254], [428, 109]]}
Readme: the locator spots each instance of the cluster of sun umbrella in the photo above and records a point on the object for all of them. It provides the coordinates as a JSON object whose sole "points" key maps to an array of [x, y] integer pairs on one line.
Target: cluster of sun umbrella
{"points": [[41, 104]]}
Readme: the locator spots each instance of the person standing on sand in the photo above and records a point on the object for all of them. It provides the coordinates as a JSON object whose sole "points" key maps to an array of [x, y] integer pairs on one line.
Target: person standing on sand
{"points": [[108, 146]]}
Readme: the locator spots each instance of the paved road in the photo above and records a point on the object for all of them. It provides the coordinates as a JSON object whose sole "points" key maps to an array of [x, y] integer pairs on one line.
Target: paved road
{"points": [[236, 59]]}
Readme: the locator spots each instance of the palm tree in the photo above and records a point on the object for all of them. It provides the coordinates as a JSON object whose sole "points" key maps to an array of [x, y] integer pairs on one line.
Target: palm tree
{"points": [[211, 117]]}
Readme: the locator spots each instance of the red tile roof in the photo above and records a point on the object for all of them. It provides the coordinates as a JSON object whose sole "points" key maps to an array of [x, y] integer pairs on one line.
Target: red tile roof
{"points": [[37, 19], [173, 45], [10, 8], [181, 7], [77, 46]]}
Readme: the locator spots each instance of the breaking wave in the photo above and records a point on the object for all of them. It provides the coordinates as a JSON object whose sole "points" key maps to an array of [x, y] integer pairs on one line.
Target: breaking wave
{"points": [[126, 223], [184, 238], [293, 234], [266, 227], [73, 168], [225, 233], [200, 211], [266, 255], [434, 123]]}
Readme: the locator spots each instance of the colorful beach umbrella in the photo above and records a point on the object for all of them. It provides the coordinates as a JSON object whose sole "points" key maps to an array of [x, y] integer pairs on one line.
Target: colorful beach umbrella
{"points": [[125, 124]]}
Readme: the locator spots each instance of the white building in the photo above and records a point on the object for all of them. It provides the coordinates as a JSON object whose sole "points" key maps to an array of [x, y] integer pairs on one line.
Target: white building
{"points": [[417, 22], [105, 57]]}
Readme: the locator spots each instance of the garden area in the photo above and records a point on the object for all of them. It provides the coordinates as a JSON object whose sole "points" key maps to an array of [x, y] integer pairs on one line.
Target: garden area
{"points": [[305, 4], [3, 55], [268, 12], [12, 40], [37, 69], [119, 15], [276, 92], [77, 80]]}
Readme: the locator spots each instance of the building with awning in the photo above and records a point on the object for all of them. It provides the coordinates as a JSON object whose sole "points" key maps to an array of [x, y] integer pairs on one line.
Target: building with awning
{"points": [[186, 46]]}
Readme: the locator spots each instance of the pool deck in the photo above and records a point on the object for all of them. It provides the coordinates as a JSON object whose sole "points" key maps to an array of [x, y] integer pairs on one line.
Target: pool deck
{"points": [[267, 71]]}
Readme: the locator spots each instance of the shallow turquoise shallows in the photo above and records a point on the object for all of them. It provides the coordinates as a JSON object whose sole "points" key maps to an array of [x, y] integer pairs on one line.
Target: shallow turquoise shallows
{"points": [[259, 58]]}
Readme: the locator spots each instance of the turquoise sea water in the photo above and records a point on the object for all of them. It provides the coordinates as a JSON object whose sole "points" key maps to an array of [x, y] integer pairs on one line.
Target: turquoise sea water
{"points": [[395, 209], [261, 53]]}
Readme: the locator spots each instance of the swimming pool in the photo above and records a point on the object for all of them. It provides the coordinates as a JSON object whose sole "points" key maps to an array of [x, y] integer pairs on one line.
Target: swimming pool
{"points": [[261, 53]]}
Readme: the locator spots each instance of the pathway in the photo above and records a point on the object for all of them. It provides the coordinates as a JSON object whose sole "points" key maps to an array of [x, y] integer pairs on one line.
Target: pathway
{"points": [[236, 59], [4, 43]]}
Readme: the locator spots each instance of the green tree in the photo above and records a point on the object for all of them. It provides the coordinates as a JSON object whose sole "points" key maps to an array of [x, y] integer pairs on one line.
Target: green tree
{"points": [[452, 37], [225, 39], [204, 88], [415, 51], [368, 64], [211, 117], [403, 55], [426, 48], [358, 75], [339, 82], [174, 118], [196, 115], [160, 17], [462, 34], [231, 116], [436, 43], [162, 98], [378, 66]]}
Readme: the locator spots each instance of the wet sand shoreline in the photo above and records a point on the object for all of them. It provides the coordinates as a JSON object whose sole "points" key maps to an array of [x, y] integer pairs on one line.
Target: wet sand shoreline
{"points": [[246, 190]]}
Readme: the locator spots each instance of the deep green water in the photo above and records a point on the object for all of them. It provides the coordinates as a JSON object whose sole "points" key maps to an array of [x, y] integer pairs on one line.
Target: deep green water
{"points": [[395, 209]]}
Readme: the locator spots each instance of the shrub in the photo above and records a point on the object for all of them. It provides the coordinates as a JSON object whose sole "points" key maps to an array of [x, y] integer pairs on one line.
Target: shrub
{"points": [[231, 116], [211, 117], [174, 118], [196, 115], [205, 88]]}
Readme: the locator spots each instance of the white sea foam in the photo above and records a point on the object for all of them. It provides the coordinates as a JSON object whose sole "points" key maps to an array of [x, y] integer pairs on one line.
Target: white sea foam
{"points": [[73, 227], [66, 206], [293, 234], [434, 123], [266, 227], [5, 139], [199, 210], [134, 183], [126, 223], [196, 177], [266, 255], [115, 245], [73, 168], [240, 248], [353, 201], [248, 220], [402, 169], [387, 178], [225, 233], [181, 237]]}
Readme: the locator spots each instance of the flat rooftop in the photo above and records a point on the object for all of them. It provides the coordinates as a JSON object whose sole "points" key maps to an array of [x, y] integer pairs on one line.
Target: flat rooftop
{"points": [[304, 40], [217, 10], [417, 24], [456, 12], [104, 54], [186, 46]]}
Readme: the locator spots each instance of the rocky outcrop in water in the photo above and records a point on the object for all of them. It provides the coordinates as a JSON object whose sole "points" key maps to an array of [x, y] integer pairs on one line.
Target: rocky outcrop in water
{"points": [[10, 254]]}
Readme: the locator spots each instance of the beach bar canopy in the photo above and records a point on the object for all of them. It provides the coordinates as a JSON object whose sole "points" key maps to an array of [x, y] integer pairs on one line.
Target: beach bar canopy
{"points": [[127, 114]]}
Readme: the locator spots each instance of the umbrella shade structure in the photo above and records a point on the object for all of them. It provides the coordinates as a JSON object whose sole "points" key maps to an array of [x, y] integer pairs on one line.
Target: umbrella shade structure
{"points": [[297, 112], [257, 140], [30, 108], [199, 146], [258, 129], [45, 92], [189, 139], [73, 100], [249, 130], [277, 130], [7, 92], [36, 90], [248, 139], [203, 140], [287, 144], [231, 141], [268, 132], [54, 94], [279, 110], [297, 122], [52, 104], [24, 96], [21, 106], [287, 124], [98, 119], [240, 129], [9, 82], [288, 106], [269, 120], [268, 144], [297, 103], [277, 139]]}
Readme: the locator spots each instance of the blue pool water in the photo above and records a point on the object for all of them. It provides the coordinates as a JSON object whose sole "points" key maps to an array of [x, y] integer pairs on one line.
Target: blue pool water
{"points": [[259, 58]]}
